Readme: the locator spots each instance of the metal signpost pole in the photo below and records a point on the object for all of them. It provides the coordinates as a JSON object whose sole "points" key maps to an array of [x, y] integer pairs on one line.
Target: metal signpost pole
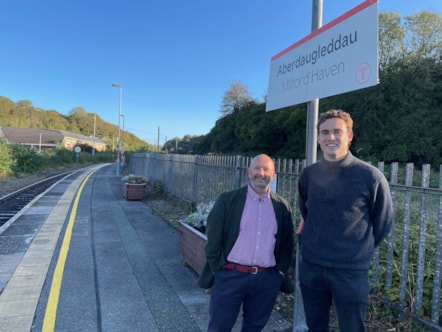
{"points": [[119, 86], [299, 322]]}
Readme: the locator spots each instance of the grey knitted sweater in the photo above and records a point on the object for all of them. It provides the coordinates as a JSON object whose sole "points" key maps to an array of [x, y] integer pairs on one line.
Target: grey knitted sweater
{"points": [[347, 210]]}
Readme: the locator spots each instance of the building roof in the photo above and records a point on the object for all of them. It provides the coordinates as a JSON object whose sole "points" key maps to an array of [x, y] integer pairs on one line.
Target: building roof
{"points": [[36, 136]]}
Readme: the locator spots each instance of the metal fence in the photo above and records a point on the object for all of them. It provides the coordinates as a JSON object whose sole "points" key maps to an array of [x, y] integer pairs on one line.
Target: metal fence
{"points": [[406, 269]]}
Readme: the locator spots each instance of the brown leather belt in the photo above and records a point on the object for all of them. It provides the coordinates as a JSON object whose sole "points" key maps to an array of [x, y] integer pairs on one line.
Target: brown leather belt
{"points": [[245, 268]]}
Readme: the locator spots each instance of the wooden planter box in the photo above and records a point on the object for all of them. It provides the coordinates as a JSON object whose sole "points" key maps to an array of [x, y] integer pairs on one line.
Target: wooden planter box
{"points": [[191, 243], [133, 192]]}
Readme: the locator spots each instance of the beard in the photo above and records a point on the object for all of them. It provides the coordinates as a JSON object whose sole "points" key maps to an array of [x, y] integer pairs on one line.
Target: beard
{"points": [[259, 185]]}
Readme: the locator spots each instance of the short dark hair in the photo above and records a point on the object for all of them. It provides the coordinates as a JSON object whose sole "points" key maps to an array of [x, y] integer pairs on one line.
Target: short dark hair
{"points": [[335, 113]]}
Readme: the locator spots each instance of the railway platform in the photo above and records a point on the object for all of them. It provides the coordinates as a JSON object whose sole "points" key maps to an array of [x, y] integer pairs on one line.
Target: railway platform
{"points": [[81, 258]]}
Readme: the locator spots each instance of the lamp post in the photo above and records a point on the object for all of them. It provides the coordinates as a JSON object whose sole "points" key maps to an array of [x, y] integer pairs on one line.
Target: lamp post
{"points": [[123, 158], [95, 125], [122, 139], [119, 86]]}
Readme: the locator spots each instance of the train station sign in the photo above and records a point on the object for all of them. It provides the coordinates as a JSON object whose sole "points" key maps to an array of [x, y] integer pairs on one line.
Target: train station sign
{"points": [[339, 57]]}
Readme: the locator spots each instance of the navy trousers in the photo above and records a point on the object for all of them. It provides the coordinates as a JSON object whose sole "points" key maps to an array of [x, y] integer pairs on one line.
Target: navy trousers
{"points": [[348, 289], [255, 292]]}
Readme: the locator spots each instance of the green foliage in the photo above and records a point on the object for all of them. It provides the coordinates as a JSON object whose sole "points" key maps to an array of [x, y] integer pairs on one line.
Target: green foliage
{"points": [[6, 161], [62, 156], [398, 120], [154, 188], [26, 159], [24, 115], [392, 294], [17, 160]]}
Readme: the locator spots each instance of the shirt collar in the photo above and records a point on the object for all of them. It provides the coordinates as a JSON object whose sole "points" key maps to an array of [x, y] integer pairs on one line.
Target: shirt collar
{"points": [[255, 195]]}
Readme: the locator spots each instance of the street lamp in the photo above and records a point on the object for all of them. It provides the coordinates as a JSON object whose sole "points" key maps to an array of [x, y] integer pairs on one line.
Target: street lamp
{"points": [[123, 159], [122, 138], [95, 125], [119, 86]]}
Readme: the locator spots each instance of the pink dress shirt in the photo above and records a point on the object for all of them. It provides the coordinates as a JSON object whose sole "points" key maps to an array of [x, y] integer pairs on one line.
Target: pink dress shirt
{"points": [[257, 232]]}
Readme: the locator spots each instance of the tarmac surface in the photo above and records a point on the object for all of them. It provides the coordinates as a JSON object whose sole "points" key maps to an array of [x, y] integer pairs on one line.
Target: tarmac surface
{"points": [[81, 258]]}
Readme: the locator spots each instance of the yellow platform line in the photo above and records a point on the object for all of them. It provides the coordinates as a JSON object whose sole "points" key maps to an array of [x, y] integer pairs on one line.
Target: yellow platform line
{"points": [[54, 294]]}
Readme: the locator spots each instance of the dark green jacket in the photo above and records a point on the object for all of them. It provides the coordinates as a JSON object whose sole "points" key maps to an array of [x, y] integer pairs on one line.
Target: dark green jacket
{"points": [[223, 228]]}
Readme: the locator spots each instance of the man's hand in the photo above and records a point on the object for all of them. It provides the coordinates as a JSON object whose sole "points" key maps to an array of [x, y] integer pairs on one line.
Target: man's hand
{"points": [[300, 227]]}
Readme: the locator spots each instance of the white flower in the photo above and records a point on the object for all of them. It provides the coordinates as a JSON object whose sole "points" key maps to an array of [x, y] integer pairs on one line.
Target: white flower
{"points": [[133, 179], [199, 218]]}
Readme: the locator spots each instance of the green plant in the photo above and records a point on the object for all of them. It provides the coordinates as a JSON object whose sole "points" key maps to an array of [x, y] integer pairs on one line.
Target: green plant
{"points": [[134, 179], [199, 217], [392, 294], [7, 163], [27, 160]]}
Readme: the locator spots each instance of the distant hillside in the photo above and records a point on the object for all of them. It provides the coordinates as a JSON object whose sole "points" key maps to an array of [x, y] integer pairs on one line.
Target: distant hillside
{"points": [[24, 115]]}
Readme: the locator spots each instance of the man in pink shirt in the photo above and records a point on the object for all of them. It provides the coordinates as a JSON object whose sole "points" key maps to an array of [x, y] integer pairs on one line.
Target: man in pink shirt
{"points": [[250, 244]]}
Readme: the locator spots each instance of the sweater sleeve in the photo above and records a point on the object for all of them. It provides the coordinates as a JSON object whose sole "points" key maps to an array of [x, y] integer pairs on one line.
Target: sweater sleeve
{"points": [[381, 211], [301, 196]]}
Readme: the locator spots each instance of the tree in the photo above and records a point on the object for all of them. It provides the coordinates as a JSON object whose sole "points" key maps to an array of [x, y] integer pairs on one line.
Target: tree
{"points": [[424, 39], [235, 99], [6, 105], [391, 39]]}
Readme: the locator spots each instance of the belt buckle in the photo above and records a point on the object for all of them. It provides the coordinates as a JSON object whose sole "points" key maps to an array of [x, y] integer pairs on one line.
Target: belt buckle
{"points": [[253, 269]]}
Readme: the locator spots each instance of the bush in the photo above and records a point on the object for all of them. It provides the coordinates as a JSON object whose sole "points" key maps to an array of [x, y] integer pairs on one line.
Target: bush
{"points": [[26, 160], [6, 161]]}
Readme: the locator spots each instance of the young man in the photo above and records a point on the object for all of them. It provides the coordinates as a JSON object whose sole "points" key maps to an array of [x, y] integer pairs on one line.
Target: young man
{"points": [[347, 211], [250, 243]]}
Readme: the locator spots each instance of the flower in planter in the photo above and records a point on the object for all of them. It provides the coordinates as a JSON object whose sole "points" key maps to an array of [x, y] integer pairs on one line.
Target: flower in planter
{"points": [[198, 219], [134, 179]]}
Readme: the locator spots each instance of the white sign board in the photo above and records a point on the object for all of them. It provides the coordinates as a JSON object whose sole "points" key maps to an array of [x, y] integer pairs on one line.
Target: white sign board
{"points": [[339, 57]]}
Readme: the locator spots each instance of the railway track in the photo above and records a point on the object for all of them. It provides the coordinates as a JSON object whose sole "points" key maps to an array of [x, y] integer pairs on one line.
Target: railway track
{"points": [[12, 203]]}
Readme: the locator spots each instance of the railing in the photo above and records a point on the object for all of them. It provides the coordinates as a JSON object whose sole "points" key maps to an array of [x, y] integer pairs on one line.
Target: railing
{"points": [[406, 270]]}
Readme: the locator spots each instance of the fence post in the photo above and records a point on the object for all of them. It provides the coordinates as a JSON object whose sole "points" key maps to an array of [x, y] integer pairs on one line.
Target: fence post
{"points": [[406, 234], [422, 239], [299, 321], [391, 236], [195, 180], [435, 303], [145, 159], [169, 173], [375, 265]]}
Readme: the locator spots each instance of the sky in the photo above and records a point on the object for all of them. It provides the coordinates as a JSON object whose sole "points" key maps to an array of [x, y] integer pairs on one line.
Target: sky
{"points": [[174, 59]]}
